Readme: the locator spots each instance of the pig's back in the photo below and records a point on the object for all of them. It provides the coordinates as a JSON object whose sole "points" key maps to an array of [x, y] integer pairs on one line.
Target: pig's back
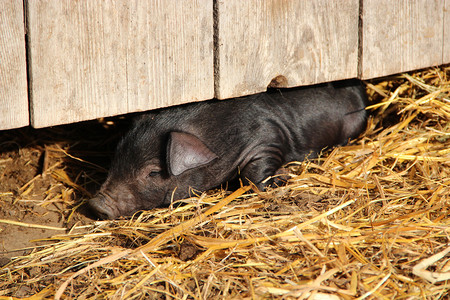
{"points": [[310, 119], [296, 121]]}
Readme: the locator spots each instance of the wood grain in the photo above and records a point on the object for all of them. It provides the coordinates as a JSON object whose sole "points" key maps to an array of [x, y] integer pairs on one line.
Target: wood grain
{"points": [[13, 74], [408, 36], [446, 47], [101, 58], [289, 41], [90, 59]]}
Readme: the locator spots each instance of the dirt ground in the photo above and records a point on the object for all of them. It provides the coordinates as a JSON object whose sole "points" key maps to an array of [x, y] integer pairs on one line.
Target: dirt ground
{"points": [[45, 177]]}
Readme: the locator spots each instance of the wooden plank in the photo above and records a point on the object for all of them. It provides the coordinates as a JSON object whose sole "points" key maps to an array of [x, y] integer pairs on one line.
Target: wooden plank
{"points": [[406, 37], [101, 58], [13, 73], [301, 41], [446, 48]]}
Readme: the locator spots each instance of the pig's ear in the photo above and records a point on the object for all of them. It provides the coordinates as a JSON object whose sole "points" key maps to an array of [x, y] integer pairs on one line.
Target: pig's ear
{"points": [[185, 152]]}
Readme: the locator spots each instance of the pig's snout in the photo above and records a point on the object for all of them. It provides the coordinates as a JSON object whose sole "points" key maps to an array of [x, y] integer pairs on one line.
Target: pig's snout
{"points": [[103, 208]]}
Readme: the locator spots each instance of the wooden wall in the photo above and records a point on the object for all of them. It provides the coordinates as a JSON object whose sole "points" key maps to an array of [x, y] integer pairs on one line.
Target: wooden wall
{"points": [[409, 35], [96, 58], [446, 35], [301, 42], [93, 59], [13, 73]]}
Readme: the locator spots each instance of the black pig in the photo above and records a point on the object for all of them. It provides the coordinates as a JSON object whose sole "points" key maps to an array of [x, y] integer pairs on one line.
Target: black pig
{"points": [[202, 145]]}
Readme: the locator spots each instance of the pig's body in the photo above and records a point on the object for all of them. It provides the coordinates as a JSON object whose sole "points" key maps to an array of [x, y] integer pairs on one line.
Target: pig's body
{"points": [[202, 145]]}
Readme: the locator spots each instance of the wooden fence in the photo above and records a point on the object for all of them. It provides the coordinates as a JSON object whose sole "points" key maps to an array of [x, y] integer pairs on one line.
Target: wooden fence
{"points": [[68, 61]]}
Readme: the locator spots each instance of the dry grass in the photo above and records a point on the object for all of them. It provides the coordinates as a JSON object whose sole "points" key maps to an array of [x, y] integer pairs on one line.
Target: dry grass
{"points": [[367, 221]]}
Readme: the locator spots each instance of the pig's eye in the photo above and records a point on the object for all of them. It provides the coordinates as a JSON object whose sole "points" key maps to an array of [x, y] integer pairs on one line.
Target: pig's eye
{"points": [[151, 169], [154, 173]]}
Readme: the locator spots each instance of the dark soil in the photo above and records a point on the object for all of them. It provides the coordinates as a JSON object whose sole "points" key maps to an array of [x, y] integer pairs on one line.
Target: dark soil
{"points": [[45, 177]]}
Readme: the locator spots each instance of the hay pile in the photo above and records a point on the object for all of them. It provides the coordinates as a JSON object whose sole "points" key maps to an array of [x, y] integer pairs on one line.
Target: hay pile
{"points": [[369, 220]]}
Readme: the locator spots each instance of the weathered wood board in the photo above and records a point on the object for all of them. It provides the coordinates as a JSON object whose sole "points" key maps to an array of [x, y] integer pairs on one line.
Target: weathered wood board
{"points": [[90, 59], [13, 72], [301, 41], [408, 36], [101, 58], [446, 48]]}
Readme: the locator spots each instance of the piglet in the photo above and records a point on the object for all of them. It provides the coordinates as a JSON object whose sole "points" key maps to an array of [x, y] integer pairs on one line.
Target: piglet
{"points": [[199, 146]]}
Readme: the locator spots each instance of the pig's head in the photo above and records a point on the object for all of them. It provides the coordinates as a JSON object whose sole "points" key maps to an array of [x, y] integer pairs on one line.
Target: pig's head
{"points": [[150, 171]]}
